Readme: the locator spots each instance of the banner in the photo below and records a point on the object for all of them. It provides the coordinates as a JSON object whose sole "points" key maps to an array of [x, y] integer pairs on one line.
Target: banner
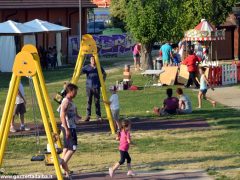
{"points": [[108, 46]]}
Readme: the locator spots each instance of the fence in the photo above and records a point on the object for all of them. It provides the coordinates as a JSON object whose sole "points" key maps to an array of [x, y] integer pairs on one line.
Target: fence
{"points": [[238, 69], [224, 75]]}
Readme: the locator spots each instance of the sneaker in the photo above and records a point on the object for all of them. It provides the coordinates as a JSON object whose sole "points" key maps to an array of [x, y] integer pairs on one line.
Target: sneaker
{"points": [[99, 119], [110, 172], [131, 173], [87, 119], [69, 176], [12, 129], [24, 128]]}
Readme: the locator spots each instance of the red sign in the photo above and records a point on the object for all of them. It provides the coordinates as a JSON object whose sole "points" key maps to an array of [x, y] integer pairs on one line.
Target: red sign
{"points": [[102, 3]]}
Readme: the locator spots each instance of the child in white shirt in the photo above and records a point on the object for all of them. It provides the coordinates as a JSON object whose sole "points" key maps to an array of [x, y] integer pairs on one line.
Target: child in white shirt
{"points": [[114, 106]]}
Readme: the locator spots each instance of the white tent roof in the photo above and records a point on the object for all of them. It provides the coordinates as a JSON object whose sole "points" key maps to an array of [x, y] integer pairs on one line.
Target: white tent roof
{"points": [[13, 28], [46, 26]]}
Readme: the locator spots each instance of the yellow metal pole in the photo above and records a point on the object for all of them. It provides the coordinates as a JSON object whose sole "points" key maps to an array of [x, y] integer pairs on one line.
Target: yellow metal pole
{"points": [[47, 127], [33, 50], [9, 117], [104, 94], [47, 100], [7, 106], [78, 68]]}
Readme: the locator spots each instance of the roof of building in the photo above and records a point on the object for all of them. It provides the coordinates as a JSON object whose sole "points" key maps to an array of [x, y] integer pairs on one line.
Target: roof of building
{"points": [[26, 4], [230, 21]]}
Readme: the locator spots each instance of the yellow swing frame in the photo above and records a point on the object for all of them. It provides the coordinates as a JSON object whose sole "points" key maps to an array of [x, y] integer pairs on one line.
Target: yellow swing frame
{"points": [[27, 64], [88, 46]]}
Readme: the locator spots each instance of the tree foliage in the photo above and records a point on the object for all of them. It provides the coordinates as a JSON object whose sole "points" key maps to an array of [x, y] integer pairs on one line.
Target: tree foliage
{"points": [[149, 21]]}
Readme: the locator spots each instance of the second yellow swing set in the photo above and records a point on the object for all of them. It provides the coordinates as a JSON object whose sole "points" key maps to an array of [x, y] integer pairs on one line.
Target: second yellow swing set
{"points": [[27, 63], [88, 46]]}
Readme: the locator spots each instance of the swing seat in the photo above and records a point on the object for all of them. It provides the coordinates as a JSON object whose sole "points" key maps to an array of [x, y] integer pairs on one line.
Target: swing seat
{"points": [[39, 157], [49, 158]]}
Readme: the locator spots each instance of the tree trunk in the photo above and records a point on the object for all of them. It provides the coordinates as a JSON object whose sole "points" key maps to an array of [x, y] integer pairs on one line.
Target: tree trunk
{"points": [[146, 56]]}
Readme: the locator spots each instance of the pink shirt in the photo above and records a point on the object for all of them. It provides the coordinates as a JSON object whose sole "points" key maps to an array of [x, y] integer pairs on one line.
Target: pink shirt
{"points": [[124, 145], [136, 49]]}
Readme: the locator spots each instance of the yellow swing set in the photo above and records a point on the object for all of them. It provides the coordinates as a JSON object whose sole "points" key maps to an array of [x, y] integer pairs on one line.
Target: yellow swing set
{"points": [[27, 63]]}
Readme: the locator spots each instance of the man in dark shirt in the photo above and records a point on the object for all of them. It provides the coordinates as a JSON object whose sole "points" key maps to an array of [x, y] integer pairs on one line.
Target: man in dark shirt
{"points": [[93, 87]]}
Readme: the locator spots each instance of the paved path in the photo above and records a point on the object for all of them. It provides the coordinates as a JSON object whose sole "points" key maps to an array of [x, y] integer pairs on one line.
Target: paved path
{"points": [[162, 175], [228, 96]]}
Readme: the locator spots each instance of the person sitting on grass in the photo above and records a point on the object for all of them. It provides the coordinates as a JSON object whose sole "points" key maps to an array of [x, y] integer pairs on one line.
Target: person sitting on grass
{"points": [[170, 105], [125, 141], [61, 161], [184, 105], [68, 116], [203, 89]]}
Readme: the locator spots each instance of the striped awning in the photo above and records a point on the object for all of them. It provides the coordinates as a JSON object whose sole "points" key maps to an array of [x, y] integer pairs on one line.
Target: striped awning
{"points": [[204, 31]]}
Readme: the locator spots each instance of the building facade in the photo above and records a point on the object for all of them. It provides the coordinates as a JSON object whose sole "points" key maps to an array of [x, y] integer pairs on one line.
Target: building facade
{"points": [[62, 12]]}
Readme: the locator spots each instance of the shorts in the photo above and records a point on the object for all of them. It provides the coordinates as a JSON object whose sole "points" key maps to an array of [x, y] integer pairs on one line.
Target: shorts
{"points": [[115, 114], [167, 112], [185, 111], [136, 56], [204, 91], [166, 61], [170, 111], [71, 142], [19, 109]]}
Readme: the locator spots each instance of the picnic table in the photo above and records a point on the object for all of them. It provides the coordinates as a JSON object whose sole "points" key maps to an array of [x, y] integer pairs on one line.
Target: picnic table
{"points": [[151, 74]]}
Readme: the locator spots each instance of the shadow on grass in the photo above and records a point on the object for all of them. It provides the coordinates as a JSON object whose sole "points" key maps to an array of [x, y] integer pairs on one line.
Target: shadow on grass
{"points": [[138, 124], [190, 161], [227, 117]]}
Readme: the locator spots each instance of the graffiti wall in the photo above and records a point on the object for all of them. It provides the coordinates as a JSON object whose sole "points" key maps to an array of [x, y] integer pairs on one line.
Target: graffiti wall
{"points": [[108, 46]]}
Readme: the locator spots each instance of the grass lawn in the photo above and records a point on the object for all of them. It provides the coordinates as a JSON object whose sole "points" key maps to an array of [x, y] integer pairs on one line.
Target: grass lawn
{"points": [[215, 149]]}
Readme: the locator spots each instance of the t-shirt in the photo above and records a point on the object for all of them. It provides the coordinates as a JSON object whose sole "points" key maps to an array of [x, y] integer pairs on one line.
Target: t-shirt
{"points": [[166, 51], [136, 49], [124, 145], [92, 76], [70, 113], [171, 103], [186, 101], [191, 62], [203, 83], [114, 102], [19, 99]]}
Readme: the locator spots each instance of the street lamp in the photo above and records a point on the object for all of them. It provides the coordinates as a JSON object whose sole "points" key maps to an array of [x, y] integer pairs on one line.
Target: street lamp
{"points": [[80, 20]]}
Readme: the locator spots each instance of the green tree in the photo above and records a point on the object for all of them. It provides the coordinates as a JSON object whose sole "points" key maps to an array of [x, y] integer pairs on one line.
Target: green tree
{"points": [[149, 21]]}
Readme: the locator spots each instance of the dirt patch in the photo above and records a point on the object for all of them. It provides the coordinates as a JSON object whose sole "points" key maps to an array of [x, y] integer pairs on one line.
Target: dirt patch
{"points": [[138, 124]]}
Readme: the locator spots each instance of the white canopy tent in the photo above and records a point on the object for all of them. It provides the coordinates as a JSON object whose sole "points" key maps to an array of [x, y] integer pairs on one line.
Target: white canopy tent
{"points": [[8, 30], [50, 27], [46, 26]]}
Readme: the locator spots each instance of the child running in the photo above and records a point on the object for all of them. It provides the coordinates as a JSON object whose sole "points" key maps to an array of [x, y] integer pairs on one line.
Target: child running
{"points": [[125, 140], [203, 89], [68, 115]]}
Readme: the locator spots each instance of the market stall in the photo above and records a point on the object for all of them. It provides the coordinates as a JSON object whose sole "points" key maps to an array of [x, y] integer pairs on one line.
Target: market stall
{"points": [[206, 33]]}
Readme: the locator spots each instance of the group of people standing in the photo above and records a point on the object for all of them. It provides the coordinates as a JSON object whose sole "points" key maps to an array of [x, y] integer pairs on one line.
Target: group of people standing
{"points": [[48, 58]]}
